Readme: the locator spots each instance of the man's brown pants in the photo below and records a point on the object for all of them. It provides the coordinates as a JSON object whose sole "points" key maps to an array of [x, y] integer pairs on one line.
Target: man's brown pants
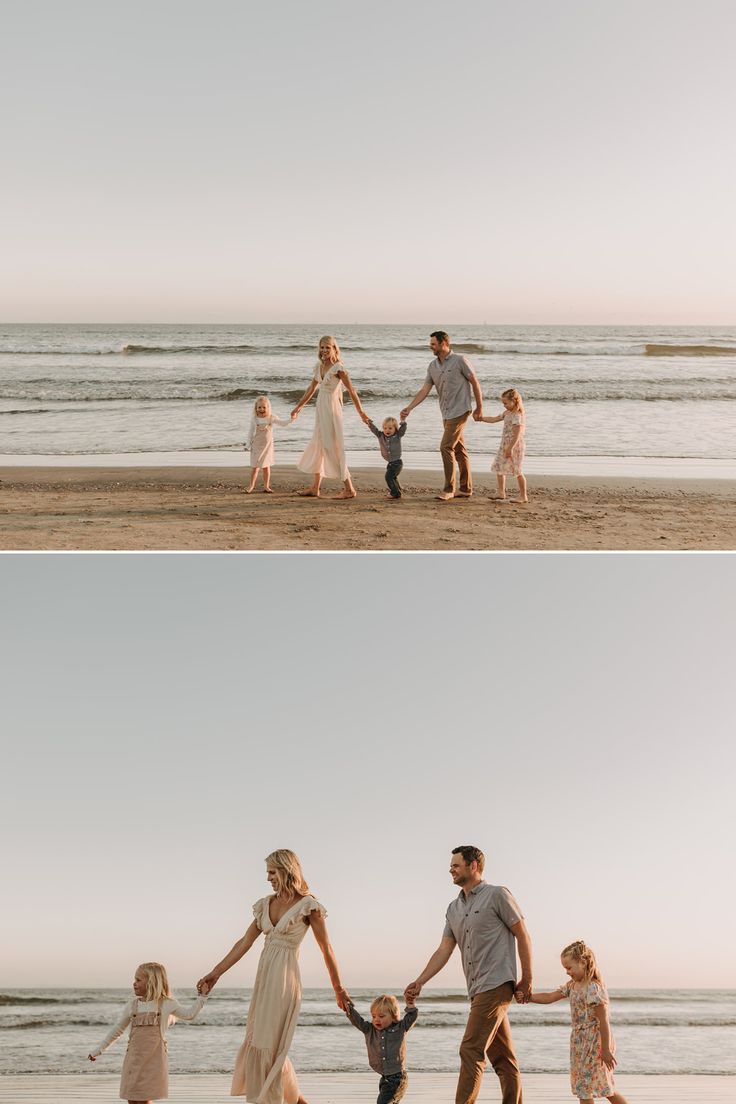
{"points": [[488, 1034], [452, 448]]}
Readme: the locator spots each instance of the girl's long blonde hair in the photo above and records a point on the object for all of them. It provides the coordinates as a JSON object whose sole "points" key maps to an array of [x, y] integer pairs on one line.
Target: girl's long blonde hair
{"points": [[157, 983], [580, 952], [262, 399], [291, 880], [515, 397]]}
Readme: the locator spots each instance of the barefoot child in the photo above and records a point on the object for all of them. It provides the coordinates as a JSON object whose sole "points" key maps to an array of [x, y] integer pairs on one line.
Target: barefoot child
{"points": [[260, 442], [149, 1012], [385, 1040], [510, 456], [592, 1058], [389, 439]]}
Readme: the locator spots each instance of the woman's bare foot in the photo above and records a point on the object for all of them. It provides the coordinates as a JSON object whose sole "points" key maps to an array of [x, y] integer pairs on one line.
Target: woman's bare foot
{"points": [[498, 498], [249, 490], [309, 493], [267, 490], [519, 501], [345, 493]]}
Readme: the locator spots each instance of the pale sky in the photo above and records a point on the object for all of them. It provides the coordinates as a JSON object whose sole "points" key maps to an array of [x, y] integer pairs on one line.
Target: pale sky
{"points": [[169, 720], [233, 161]]}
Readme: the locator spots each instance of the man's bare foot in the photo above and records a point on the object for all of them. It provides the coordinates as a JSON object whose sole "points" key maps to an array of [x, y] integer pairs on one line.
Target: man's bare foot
{"points": [[463, 494], [498, 498], [445, 496], [519, 501], [347, 494], [309, 493], [267, 490]]}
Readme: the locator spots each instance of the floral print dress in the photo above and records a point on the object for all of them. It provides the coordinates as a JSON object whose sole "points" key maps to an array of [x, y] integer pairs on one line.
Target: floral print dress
{"points": [[510, 465], [589, 1077]]}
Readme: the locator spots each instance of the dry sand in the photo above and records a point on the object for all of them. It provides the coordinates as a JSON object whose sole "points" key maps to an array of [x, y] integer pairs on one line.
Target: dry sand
{"points": [[205, 508], [359, 1088]]}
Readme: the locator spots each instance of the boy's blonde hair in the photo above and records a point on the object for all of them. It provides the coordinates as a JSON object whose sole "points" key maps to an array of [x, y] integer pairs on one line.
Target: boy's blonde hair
{"points": [[291, 880], [386, 1003], [513, 396], [262, 399], [580, 952], [157, 983], [390, 421]]}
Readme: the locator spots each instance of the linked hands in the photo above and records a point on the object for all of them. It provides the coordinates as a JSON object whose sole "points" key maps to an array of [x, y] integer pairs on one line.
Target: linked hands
{"points": [[206, 984], [343, 999], [523, 992], [404, 414], [411, 992]]}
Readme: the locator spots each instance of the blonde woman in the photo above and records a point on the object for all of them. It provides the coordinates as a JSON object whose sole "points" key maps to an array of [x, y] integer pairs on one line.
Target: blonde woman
{"points": [[325, 453], [150, 1012], [263, 1072]]}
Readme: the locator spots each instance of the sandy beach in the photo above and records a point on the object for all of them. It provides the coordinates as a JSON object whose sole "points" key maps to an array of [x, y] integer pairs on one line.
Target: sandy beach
{"points": [[205, 508], [360, 1088]]}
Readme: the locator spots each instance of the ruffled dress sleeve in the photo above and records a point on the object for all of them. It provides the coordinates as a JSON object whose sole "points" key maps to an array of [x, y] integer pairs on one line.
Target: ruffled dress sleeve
{"points": [[309, 905], [258, 911], [515, 418], [565, 989], [596, 993]]}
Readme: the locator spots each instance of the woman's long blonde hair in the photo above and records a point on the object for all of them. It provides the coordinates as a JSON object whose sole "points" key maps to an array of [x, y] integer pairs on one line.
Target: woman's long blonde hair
{"points": [[289, 876], [580, 952], [157, 983], [333, 342]]}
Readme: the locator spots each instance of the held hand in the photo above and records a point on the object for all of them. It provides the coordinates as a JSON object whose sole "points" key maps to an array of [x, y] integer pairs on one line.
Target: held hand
{"points": [[91, 1058], [364, 417], [404, 414], [410, 1002], [523, 991], [412, 991], [343, 999], [295, 413], [478, 414], [608, 1058], [292, 416], [206, 984]]}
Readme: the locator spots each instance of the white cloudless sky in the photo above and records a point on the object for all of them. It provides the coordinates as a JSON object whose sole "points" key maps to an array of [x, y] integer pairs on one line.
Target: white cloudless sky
{"points": [[169, 720], [386, 162]]}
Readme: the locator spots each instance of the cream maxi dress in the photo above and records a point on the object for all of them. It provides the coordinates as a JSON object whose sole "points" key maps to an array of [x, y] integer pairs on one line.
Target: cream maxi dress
{"points": [[325, 453], [263, 1073]]}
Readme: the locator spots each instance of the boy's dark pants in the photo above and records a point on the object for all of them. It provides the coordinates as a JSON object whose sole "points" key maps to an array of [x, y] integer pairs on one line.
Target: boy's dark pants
{"points": [[392, 477], [392, 1087]]}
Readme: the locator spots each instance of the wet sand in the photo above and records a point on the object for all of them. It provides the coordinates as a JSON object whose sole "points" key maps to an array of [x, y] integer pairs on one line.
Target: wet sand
{"points": [[360, 1088], [205, 508]]}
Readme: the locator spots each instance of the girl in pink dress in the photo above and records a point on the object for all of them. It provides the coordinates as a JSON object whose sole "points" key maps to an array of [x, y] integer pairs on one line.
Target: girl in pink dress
{"points": [[510, 456], [260, 442], [592, 1049]]}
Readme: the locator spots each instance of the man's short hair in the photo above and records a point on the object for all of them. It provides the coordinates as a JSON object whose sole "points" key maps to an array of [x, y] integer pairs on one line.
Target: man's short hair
{"points": [[441, 336], [471, 854]]}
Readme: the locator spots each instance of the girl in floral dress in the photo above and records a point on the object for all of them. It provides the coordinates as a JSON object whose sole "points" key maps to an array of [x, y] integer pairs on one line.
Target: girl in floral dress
{"points": [[510, 456], [592, 1058]]}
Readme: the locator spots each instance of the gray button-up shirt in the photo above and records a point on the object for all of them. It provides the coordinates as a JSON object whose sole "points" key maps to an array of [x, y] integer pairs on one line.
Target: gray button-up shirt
{"points": [[481, 925], [390, 446], [387, 1048], [452, 380]]}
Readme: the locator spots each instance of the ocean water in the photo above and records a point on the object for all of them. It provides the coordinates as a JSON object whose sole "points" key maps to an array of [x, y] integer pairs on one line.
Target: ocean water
{"points": [[657, 1032], [665, 392]]}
